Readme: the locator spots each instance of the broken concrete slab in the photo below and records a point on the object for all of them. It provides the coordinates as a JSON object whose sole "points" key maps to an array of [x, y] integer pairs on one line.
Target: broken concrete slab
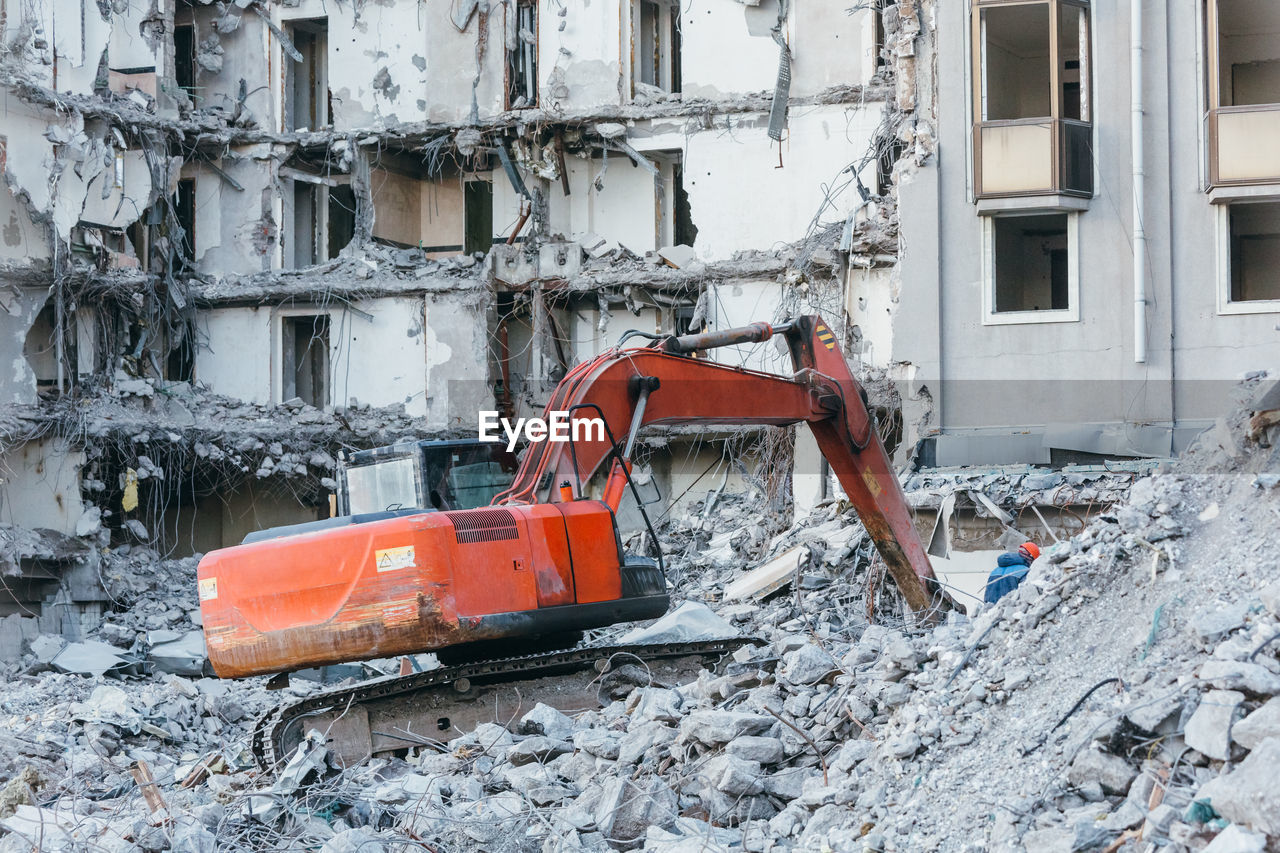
{"points": [[90, 658], [628, 807], [679, 256], [714, 728], [1209, 729], [1234, 839], [1258, 726], [185, 655], [689, 622], [809, 664], [1249, 795], [1111, 772], [772, 576], [1239, 675]]}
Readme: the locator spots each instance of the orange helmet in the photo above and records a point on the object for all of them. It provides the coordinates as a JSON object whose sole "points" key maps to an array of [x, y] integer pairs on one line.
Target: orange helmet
{"points": [[1030, 549]]}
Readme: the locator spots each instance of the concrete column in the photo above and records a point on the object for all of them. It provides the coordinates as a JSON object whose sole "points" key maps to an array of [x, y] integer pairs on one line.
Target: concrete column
{"points": [[806, 472]]}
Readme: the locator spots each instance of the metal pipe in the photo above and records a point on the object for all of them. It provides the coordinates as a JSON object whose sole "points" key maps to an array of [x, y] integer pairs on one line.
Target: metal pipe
{"points": [[753, 334], [1139, 184], [526, 208], [637, 418]]}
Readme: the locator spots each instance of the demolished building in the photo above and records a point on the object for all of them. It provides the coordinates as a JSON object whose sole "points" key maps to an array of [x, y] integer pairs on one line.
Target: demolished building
{"points": [[241, 239]]}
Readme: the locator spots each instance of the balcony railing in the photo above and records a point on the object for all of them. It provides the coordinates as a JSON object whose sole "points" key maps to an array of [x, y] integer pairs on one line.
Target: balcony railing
{"points": [[1244, 145], [1036, 156]]}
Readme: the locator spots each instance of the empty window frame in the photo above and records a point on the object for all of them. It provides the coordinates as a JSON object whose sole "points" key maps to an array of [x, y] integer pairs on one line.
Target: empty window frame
{"points": [[478, 216], [307, 228], [321, 214], [1250, 257], [180, 359], [655, 44], [1242, 87], [304, 358], [184, 57], [307, 82], [184, 209], [1031, 268], [1032, 101], [522, 60]]}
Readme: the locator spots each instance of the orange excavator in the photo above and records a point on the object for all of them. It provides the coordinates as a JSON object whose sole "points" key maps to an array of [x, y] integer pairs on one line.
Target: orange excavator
{"points": [[543, 559]]}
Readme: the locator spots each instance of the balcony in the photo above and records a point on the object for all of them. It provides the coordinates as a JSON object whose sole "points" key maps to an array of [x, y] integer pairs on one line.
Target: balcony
{"points": [[1032, 104], [1033, 157], [1242, 89], [1244, 145]]}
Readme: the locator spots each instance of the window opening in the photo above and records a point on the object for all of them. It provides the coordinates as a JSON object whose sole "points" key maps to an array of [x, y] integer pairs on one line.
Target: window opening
{"points": [[305, 359], [522, 62], [1254, 243], [307, 89], [1031, 263]]}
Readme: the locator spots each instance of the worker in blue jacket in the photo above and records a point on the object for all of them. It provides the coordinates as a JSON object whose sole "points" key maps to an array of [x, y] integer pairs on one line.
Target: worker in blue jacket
{"points": [[1011, 570]]}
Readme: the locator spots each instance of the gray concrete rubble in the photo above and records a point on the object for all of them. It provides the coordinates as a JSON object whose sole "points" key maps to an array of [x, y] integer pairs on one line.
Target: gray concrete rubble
{"points": [[1127, 714]]}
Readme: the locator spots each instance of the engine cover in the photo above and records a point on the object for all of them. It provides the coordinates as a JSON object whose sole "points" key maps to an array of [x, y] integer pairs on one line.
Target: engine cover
{"points": [[411, 584]]}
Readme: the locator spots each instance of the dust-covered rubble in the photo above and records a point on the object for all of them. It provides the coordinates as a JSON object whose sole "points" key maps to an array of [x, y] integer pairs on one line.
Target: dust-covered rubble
{"points": [[1125, 697]]}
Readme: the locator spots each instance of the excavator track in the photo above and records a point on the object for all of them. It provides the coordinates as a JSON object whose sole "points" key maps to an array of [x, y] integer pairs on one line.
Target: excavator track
{"points": [[383, 715]]}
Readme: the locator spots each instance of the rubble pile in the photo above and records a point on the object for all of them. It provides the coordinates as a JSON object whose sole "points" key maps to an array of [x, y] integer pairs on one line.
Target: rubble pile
{"points": [[1126, 695]]}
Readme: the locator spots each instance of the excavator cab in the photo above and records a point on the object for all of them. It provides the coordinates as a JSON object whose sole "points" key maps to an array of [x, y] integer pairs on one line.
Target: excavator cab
{"points": [[442, 475]]}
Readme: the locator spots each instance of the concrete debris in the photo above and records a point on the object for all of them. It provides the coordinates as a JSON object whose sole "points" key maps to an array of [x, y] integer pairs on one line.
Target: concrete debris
{"points": [[182, 655], [769, 578], [832, 732], [1233, 839], [689, 622], [1209, 729], [1258, 726], [1248, 794], [89, 658]]}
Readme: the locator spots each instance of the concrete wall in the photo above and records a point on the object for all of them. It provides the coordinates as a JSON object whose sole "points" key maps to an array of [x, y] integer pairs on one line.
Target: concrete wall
{"points": [[386, 66], [871, 300], [1038, 376], [40, 485], [237, 231], [457, 381], [732, 167], [380, 354], [38, 141]]}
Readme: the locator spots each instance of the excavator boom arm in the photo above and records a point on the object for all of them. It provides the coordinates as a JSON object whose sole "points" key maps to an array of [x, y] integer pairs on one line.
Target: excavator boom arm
{"points": [[663, 384]]}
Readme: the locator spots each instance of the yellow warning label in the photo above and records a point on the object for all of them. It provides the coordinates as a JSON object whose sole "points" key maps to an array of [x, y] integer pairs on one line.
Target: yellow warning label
{"points": [[827, 337], [390, 559], [208, 589], [870, 479]]}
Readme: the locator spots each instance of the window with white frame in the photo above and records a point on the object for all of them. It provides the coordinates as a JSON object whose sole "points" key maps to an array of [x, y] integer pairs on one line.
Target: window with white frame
{"points": [[1249, 257], [1031, 269]]}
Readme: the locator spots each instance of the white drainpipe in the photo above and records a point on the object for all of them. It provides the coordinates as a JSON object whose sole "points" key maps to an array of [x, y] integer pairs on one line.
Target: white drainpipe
{"points": [[1139, 186]]}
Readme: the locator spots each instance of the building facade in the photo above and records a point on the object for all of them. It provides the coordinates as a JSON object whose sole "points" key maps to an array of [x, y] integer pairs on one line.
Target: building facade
{"points": [[1090, 260]]}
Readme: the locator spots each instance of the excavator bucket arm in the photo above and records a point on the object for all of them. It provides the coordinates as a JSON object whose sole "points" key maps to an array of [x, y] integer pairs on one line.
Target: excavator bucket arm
{"points": [[664, 383]]}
